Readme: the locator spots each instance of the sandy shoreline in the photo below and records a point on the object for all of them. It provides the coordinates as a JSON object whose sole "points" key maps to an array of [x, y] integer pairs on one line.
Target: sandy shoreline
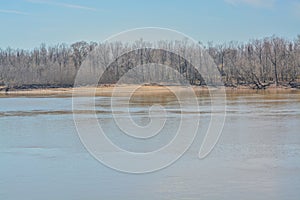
{"points": [[138, 90]]}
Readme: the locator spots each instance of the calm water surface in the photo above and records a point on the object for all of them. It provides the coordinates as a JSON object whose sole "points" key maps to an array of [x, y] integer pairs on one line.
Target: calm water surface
{"points": [[257, 157]]}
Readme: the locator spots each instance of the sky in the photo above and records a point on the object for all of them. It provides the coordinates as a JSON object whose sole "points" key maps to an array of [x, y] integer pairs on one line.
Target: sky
{"points": [[28, 23]]}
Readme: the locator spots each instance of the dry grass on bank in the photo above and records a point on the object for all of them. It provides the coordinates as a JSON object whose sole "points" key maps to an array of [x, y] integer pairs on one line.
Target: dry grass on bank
{"points": [[124, 90]]}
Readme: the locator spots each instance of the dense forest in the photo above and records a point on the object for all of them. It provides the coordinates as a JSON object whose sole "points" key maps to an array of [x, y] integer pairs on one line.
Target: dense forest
{"points": [[258, 64]]}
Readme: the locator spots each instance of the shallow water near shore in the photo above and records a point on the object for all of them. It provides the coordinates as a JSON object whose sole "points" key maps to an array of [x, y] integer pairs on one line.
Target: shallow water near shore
{"points": [[257, 156]]}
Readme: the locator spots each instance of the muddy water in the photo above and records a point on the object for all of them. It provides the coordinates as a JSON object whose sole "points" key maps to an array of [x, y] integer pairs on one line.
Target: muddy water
{"points": [[257, 157]]}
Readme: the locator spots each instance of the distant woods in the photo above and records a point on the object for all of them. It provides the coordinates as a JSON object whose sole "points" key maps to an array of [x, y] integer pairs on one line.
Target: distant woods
{"points": [[257, 64]]}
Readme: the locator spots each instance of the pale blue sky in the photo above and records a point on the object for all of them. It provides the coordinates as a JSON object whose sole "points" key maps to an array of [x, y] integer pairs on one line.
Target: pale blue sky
{"points": [[27, 23]]}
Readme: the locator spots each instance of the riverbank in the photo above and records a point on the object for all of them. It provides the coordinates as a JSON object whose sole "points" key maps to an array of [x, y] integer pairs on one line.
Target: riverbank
{"points": [[123, 90]]}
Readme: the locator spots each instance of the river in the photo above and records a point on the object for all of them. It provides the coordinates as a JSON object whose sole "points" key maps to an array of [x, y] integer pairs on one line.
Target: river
{"points": [[257, 156]]}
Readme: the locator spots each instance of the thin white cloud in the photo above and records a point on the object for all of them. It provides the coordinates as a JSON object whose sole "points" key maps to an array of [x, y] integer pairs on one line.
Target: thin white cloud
{"points": [[13, 12], [61, 4], [254, 3]]}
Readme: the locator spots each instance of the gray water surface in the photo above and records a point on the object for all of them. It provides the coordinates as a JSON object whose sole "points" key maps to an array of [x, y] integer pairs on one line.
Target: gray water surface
{"points": [[257, 157]]}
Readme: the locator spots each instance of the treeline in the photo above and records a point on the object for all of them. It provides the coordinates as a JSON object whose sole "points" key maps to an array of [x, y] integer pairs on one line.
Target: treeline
{"points": [[52, 66], [257, 64]]}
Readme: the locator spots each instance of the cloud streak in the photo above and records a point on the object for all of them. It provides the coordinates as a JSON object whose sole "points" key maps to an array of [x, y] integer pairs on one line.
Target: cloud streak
{"points": [[13, 12], [253, 3], [61, 4]]}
